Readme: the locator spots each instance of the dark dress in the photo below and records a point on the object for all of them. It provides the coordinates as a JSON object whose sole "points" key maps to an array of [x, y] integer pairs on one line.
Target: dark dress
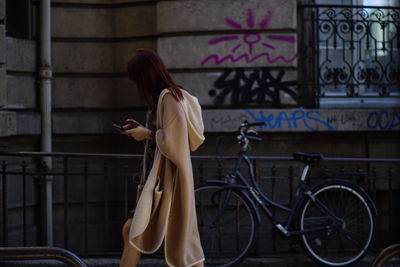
{"points": [[151, 143], [148, 156]]}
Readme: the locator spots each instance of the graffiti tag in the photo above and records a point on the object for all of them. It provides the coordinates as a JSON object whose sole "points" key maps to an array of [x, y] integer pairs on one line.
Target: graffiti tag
{"points": [[292, 120], [383, 120], [260, 86]]}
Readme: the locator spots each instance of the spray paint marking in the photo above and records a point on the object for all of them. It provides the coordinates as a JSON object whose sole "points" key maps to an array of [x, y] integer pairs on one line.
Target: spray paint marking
{"points": [[250, 39], [292, 120]]}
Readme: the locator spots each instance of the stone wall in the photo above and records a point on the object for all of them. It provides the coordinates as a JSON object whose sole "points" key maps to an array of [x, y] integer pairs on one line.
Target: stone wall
{"points": [[230, 46], [91, 43], [239, 57]]}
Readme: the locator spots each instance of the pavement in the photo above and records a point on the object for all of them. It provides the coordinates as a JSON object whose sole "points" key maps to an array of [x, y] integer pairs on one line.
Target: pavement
{"points": [[276, 261]]}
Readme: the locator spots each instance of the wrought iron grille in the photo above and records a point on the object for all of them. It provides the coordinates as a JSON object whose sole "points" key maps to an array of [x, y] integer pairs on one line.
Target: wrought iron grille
{"points": [[353, 50]]}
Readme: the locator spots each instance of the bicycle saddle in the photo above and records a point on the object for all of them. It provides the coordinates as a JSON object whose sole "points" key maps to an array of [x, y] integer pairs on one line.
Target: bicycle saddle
{"points": [[307, 158]]}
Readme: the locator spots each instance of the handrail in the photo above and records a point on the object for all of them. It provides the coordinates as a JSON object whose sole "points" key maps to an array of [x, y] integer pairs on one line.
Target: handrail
{"points": [[348, 6], [39, 253], [100, 155]]}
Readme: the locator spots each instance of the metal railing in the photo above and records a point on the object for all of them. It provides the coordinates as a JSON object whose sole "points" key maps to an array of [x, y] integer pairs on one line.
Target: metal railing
{"points": [[41, 253], [93, 194]]}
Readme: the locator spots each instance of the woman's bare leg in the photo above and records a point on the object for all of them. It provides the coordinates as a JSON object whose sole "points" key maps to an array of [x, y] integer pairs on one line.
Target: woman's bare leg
{"points": [[130, 255], [200, 264]]}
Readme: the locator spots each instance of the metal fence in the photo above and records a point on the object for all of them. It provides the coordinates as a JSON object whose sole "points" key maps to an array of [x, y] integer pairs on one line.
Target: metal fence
{"points": [[352, 51], [93, 194]]}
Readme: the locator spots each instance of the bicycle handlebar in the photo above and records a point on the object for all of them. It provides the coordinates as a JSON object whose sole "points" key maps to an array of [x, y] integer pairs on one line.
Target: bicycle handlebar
{"points": [[247, 124], [244, 130]]}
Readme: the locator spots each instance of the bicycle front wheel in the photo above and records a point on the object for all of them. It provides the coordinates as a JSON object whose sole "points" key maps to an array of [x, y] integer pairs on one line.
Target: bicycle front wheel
{"points": [[226, 224], [345, 217]]}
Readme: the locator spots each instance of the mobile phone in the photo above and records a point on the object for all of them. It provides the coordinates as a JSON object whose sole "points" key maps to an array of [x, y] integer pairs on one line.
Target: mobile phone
{"points": [[119, 127], [132, 123]]}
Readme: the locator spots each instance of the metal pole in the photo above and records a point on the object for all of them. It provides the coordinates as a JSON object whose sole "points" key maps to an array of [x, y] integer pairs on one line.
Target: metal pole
{"points": [[45, 75]]}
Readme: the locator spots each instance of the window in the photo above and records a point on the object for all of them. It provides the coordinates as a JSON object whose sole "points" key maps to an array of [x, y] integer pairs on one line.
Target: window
{"points": [[18, 18], [356, 54]]}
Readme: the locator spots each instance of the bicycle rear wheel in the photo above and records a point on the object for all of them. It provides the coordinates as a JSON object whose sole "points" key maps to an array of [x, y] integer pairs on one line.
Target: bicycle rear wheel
{"points": [[346, 217], [226, 224]]}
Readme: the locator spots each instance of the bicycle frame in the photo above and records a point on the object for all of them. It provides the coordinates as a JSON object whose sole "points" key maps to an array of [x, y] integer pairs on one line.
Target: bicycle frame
{"points": [[253, 194]]}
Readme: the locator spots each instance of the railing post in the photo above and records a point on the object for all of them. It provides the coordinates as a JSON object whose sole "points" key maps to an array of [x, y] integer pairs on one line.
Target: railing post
{"points": [[291, 177], [85, 190], [273, 232], [390, 178], [106, 204], [24, 199], [201, 173], [4, 200], [66, 204]]}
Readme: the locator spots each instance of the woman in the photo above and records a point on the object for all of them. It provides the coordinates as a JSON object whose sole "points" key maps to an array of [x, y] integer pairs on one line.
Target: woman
{"points": [[166, 207]]}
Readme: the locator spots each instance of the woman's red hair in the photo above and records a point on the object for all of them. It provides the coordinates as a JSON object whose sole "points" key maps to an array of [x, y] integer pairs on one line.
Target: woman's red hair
{"points": [[149, 73]]}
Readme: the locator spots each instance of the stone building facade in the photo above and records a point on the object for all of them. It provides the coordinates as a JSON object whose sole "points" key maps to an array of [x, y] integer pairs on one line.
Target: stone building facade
{"points": [[243, 59]]}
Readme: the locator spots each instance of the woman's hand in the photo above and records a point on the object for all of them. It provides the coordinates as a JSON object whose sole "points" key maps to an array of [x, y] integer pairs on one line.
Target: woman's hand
{"points": [[139, 133], [130, 124]]}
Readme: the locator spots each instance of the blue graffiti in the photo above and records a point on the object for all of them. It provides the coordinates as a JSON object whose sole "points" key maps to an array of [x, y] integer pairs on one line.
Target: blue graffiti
{"points": [[292, 120], [383, 120]]}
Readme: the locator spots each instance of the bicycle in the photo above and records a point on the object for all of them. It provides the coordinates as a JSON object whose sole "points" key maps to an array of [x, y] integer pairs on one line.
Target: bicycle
{"points": [[335, 218], [388, 257]]}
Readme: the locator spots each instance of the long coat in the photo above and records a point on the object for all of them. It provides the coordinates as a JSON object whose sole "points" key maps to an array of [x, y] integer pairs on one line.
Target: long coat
{"points": [[166, 207]]}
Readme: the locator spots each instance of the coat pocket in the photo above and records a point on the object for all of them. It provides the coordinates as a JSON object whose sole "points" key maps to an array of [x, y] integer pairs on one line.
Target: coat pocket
{"points": [[156, 196]]}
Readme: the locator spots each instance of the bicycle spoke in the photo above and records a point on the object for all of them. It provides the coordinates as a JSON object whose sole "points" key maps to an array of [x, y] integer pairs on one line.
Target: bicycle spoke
{"points": [[227, 228], [341, 207]]}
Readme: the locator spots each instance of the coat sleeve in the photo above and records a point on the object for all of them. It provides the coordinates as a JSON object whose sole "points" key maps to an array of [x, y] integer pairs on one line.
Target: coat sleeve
{"points": [[172, 136]]}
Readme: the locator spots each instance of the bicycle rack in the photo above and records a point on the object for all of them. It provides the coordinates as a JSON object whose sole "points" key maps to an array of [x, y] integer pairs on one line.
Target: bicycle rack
{"points": [[40, 253]]}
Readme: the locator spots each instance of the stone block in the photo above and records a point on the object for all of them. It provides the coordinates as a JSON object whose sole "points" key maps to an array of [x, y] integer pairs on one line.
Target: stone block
{"points": [[132, 1], [7, 123], [80, 92], [95, 57], [135, 20], [207, 52], [94, 92], [2, 44], [21, 91], [100, 1], [233, 86], [71, 121], [3, 87], [91, 122], [303, 120], [123, 51], [126, 95], [212, 15], [83, 1], [2, 9], [82, 22], [28, 123], [82, 57], [21, 54]]}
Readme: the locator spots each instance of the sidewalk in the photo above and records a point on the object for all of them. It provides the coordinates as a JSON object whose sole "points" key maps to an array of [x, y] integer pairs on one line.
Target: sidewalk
{"points": [[281, 261]]}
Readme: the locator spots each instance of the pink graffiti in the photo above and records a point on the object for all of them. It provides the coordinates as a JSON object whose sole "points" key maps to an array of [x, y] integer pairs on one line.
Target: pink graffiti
{"points": [[247, 58], [250, 39]]}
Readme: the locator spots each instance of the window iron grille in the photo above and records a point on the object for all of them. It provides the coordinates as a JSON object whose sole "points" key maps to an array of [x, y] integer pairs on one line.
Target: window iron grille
{"points": [[353, 53]]}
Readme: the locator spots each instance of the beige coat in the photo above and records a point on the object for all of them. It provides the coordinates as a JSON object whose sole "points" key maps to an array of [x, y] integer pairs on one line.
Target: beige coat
{"points": [[166, 207]]}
